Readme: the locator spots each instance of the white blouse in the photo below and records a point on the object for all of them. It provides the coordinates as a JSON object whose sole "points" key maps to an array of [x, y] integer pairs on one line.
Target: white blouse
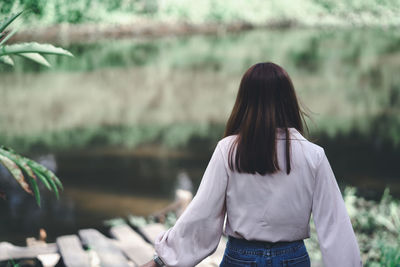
{"points": [[272, 207]]}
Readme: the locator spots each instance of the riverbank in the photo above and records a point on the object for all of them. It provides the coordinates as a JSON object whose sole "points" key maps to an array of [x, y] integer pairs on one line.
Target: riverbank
{"points": [[66, 33], [89, 32]]}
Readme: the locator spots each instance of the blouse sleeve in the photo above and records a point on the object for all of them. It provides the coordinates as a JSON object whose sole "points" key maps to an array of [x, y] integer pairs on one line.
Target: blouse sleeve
{"points": [[197, 232], [337, 241]]}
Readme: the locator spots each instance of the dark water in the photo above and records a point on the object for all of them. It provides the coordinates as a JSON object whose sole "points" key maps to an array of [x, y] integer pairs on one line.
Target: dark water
{"points": [[124, 117]]}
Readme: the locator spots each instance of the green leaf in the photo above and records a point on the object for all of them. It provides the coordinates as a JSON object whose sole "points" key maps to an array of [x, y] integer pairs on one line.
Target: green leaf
{"points": [[54, 186], [8, 37], [41, 178], [7, 60], [57, 181], [20, 161], [45, 176], [33, 48], [33, 170], [15, 172], [4, 24], [35, 188], [38, 58], [46, 172]]}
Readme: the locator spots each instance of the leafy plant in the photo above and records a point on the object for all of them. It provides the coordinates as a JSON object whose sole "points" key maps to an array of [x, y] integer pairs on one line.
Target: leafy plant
{"points": [[18, 165], [26, 171], [31, 50]]}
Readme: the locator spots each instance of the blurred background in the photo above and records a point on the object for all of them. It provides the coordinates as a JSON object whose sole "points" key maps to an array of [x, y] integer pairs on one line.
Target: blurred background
{"points": [[150, 88]]}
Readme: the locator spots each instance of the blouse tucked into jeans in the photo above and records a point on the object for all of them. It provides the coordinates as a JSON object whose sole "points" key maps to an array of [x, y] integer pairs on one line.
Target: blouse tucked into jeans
{"points": [[272, 207], [243, 253]]}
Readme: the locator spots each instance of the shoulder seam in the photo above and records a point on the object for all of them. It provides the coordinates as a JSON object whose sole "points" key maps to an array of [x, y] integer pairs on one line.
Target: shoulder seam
{"points": [[223, 157], [317, 168], [319, 161]]}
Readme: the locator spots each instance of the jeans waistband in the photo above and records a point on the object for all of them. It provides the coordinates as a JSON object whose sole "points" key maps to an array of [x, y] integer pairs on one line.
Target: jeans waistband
{"points": [[262, 247]]}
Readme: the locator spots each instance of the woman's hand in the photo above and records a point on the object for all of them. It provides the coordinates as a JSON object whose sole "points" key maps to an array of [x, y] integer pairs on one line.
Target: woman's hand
{"points": [[149, 264]]}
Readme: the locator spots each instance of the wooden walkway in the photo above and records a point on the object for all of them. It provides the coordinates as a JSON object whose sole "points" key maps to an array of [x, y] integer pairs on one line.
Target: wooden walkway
{"points": [[89, 247]]}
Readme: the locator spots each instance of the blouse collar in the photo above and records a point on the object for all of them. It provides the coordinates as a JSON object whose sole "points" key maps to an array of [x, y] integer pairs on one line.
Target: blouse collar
{"points": [[294, 134]]}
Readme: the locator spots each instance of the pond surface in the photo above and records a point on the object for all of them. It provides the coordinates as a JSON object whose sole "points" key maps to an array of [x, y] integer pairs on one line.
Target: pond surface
{"points": [[121, 119]]}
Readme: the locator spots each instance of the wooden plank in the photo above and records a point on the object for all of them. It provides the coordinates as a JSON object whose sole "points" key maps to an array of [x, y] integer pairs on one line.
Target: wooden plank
{"points": [[72, 252], [49, 260], [132, 244], [110, 255], [9, 251], [46, 259], [151, 231]]}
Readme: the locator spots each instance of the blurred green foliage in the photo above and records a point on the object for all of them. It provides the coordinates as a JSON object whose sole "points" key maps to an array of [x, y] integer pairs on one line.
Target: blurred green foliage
{"points": [[148, 90], [31, 50], [377, 225], [377, 228], [258, 12]]}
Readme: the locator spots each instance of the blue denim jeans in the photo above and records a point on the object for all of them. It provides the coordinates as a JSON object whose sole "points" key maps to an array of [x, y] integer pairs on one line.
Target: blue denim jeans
{"points": [[243, 253]]}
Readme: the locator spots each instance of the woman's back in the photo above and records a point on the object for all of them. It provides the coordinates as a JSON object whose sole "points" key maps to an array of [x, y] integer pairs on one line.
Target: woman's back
{"points": [[273, 207]]}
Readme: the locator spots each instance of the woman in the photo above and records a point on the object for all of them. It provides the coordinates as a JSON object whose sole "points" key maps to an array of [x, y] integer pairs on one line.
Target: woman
{"points": [[268, 179]]}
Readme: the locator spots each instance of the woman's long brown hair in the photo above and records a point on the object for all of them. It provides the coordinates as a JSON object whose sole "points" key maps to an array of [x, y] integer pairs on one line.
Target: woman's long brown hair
{"points": [[266, 101]]}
